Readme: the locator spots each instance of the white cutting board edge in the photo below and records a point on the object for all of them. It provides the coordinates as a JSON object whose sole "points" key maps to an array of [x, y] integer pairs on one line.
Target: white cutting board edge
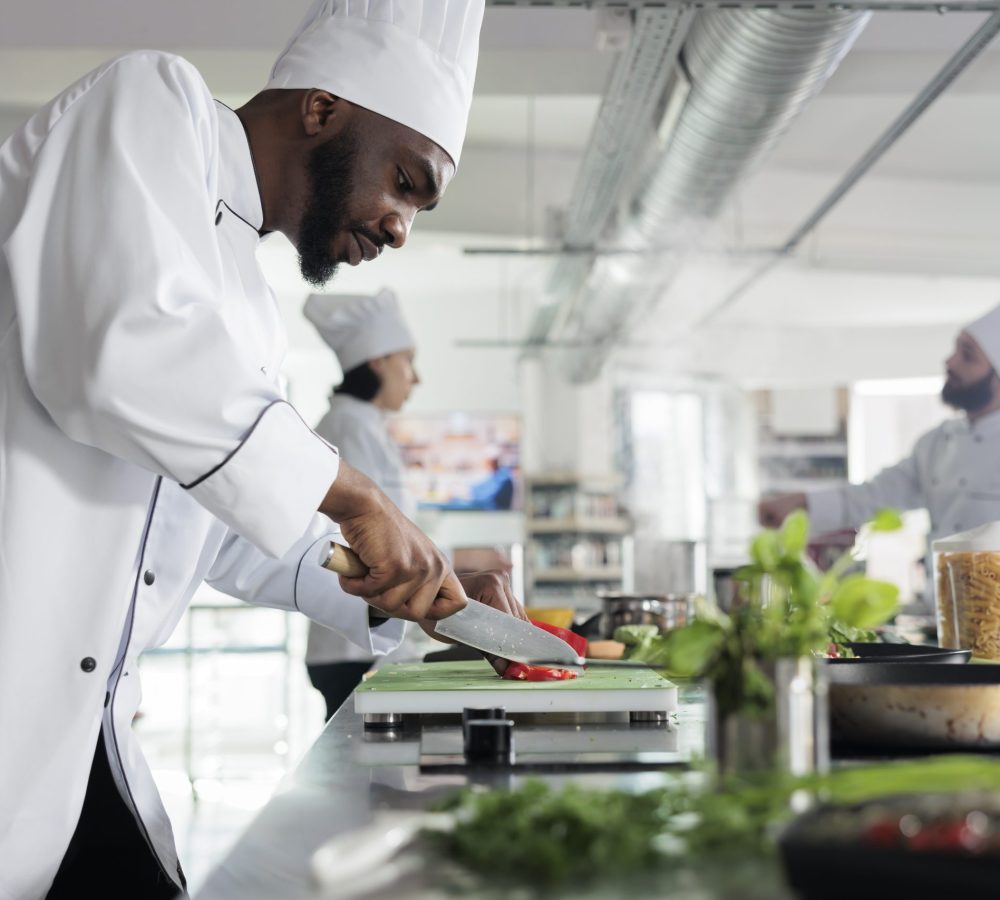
{"points": [[516, 701]]}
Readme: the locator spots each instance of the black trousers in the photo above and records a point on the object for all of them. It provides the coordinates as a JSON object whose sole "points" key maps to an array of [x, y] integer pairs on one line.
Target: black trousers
{"points": [[108, 856], [335, 681]]}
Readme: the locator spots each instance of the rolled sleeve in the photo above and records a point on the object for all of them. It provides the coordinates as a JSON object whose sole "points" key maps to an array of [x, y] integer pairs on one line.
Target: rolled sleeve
{"points": [[318, 595], [269, 488]]}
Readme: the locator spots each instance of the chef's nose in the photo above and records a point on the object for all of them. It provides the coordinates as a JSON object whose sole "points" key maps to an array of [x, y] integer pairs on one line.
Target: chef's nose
{"points": [[395, 230]]}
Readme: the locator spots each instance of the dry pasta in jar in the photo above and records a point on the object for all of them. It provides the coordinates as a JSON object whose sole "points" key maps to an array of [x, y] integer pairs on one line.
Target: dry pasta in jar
{"points": [[968, 602]]}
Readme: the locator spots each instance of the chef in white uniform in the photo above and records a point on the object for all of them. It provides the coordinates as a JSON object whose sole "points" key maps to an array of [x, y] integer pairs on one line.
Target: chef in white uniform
{"points": [[145, 446], [376, 350], [954, 470]]}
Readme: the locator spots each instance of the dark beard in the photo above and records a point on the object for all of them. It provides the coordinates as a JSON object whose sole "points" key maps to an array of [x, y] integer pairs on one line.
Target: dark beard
{"points": [[330, 168], [971, 397]]}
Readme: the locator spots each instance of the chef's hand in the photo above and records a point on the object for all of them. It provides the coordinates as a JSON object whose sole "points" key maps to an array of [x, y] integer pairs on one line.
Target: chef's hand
{"points": [[773, 511], [493, 589], [408, 577]]}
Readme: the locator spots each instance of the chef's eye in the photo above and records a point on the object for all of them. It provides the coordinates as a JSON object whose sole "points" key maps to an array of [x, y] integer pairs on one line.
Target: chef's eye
{"points": [[402, 181]]}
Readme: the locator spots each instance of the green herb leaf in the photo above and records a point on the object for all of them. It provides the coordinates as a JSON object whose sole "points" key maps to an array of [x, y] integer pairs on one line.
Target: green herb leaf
{"points": [[689, 650], [765, 550], [862, 602], [887, 520], [794, 535], [635, 635]]}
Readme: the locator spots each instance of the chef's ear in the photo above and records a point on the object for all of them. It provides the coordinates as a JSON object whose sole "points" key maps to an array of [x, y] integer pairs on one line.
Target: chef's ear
{"points": [[322, 111]]}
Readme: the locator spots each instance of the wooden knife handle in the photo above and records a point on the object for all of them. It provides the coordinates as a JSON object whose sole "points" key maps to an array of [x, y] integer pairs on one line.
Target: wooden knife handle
{"points": [[345, 561]]}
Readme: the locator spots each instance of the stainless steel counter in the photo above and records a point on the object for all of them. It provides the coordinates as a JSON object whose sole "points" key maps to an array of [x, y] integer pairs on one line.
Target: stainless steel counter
{"points": [[349, 774]]}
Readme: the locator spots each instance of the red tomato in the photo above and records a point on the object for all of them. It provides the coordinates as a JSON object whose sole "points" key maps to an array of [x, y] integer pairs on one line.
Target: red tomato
{"points": [[516, 671], [883, 833], [941, 836]]}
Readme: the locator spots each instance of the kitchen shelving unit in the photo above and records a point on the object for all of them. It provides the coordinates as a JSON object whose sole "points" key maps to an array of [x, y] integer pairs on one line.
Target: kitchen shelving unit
{"points": [[800, 461], [578, 540]]}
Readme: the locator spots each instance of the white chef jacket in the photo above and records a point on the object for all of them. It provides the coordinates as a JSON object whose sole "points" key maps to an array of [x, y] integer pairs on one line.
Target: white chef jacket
{"points": [[953, 472], [144, 443], [360, 431]]}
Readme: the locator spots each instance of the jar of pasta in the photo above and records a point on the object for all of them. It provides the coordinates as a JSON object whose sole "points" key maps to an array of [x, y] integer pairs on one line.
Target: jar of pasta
{"points": [[967, 590]]}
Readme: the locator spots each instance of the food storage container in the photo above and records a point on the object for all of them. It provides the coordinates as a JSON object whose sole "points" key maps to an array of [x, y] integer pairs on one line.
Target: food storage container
{"points": [[967, 590]]}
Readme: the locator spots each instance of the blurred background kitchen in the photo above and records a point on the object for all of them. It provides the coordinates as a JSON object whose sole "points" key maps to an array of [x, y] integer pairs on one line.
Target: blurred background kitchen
{"points": [[650, 321]]}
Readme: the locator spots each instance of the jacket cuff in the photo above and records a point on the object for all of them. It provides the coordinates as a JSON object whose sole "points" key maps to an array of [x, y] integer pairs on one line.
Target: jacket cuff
{"points": [[318, 595], [269, 488]]}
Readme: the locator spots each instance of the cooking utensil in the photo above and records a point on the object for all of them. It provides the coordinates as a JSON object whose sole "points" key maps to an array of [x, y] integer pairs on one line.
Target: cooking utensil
{"points": [[476, 625], [867, 653], [665, 611], [919, 706]]}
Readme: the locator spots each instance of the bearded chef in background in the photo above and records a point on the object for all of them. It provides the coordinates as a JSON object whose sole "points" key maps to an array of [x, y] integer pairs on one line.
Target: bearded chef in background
{"points": [[954, 470], [145, 444]]}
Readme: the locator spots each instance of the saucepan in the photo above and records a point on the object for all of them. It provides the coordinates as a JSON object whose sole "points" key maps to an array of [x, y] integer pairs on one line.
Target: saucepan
{"points": [[665, 611]]}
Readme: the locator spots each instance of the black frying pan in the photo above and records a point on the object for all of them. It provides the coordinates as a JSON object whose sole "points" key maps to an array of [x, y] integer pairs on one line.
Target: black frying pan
{"points": [[901, 653]]}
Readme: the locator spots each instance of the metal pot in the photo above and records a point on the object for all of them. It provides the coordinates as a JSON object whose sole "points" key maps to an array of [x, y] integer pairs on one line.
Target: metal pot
{"points": [[793, 737], [665, 611]]}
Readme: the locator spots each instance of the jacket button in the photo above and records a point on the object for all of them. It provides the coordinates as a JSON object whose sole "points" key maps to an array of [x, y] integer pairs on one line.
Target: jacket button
{"points": [[88, 664], [148, 576]]}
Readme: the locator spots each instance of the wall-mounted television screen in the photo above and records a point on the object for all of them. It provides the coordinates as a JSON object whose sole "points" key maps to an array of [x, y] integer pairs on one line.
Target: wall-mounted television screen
{"points": [[461, 460]]}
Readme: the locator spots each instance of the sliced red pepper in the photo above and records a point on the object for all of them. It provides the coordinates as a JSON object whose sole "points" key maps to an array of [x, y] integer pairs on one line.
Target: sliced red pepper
{"points": [[577, 641], [516, 671]]}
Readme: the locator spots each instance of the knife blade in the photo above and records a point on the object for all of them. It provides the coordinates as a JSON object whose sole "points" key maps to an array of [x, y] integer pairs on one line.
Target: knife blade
{"points": [[476, 625]]}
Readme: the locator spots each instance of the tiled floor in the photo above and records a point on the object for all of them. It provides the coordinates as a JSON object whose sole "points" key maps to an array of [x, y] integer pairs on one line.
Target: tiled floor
{"points": [[220, 727]]}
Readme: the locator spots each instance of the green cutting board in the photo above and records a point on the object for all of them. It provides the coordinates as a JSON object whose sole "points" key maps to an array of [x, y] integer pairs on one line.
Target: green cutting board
{"points": [[447, 687]]}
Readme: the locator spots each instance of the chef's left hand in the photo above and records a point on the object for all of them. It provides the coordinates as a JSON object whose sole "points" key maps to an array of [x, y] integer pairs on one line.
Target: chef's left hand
{"points": [[493, 589]]}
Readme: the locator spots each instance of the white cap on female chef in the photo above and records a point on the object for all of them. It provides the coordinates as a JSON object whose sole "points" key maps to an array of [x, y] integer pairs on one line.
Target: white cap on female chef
{"points": [[413, 61], [986, 332], [360, 327]]}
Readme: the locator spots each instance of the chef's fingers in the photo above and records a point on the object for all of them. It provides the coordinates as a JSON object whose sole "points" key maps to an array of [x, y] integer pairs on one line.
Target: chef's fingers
{"points": [[517, 608], [499, 665], [410, 600], [493, 589], [449, 599]]}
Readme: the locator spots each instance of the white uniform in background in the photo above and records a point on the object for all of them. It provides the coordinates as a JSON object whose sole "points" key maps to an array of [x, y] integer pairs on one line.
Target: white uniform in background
{"points": [[360, 430], [144, 443], [953, 472]]}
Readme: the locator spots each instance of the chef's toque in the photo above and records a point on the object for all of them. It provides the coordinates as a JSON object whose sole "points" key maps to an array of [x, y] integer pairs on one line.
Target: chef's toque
{"points": [[413, 61], [986, 331], [359, 327]]}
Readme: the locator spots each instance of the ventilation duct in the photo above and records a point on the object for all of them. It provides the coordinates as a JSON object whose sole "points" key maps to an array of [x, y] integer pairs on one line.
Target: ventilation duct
{"points": [[750, 72]]}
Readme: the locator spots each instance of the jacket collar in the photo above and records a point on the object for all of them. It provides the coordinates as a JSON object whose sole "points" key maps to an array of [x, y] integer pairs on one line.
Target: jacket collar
{"points": [[238, 187], [361, 409], [987, 425]]}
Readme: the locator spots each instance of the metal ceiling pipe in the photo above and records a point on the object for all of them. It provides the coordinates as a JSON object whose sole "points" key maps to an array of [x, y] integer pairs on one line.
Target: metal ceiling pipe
{"points": [[751, 73]]}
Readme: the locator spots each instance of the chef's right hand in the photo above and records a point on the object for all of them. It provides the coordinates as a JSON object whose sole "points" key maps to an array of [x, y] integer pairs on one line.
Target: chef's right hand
{"points": [[408, 576], [773, 511]]}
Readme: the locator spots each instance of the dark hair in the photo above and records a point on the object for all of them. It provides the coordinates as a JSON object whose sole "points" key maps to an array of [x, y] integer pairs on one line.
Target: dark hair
{"points": [[362, 383]]}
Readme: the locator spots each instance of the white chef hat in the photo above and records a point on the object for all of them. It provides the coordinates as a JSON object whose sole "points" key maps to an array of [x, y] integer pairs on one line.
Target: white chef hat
{"points": [[413, 61], [359, 327], [986, 331]]}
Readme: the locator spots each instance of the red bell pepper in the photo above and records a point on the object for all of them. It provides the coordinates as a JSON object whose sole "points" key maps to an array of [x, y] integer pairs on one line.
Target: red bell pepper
{"points": [[577, 641], [516, 671]]}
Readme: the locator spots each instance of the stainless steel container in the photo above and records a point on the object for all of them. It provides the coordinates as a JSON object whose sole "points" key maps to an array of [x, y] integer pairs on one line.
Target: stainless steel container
{"points": [[665, 611], [793, 737]]}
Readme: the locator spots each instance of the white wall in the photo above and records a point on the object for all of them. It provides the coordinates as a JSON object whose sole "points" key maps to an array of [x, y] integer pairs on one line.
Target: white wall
{"points": [[442, 293], [567, 428]]}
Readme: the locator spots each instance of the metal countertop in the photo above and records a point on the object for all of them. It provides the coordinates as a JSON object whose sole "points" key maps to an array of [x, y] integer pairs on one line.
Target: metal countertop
{"points": [[349, 773]]}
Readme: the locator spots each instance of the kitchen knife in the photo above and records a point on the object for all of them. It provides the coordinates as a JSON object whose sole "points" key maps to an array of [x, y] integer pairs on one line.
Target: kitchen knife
{"points": [[476, 625]]}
